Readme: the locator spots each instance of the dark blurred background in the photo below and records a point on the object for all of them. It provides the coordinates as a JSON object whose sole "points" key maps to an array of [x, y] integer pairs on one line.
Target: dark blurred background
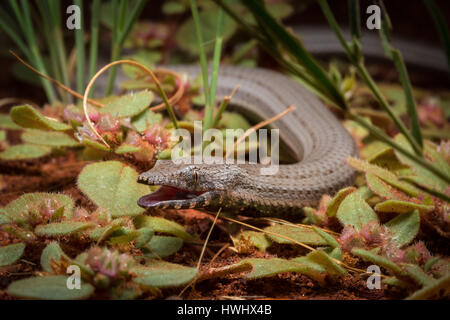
{"points": [[410, 19]]}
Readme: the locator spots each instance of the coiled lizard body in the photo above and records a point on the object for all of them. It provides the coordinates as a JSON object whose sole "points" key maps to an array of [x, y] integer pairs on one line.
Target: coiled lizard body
{"points": [[314, 136]]}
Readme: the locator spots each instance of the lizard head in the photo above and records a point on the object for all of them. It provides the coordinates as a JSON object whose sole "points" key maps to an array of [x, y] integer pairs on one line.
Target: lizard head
{"points": [[188, 185]]}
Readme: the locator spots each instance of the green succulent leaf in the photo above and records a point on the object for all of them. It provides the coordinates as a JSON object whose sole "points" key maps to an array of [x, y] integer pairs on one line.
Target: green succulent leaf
{"points": [[162, 274], [383, 157], [374, 150], [25, 152], [418, 275], [17, 210], [145, 235], [20, 233], [255, 239], [163, 246], [432, 289], [399, 206], [112, 185], [7, 123], [383, 189], [359, 131], [28, 117], [62, 228], [11, 254], [404, 227], [103, 233], [51, 252], [80, 261], [233, 120], [144, 120], [321, 258], [336, 253], [383, 174], [395, 282], [3, 217], [379, 260], [162, 225], [126, 148], [430, 263], [261, 268], [355, 211], [49, 288], [123, 235], [95, 145], [423, 176], [334, 204], [48, 138], [144, 84], [129, 105], [365, 192], [298, 233], [330, 240]]}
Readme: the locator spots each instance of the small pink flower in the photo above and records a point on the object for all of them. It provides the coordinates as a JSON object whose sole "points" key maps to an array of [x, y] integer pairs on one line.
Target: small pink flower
{"points": [[94, 116], [70, 115], [350, 238], [73, 113], [107, 262], [393, 252], [84, 132], [107, 123], [157, 136], [48, 207], [374, 234]]}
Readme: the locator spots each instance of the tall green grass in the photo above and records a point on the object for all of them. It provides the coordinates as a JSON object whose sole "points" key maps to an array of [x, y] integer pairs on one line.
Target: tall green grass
{"points": [[209, 86], [277, 40], [19, 20]]}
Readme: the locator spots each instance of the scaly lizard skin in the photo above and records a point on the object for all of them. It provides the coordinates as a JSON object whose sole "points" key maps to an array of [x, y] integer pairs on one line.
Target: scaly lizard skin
{"points": [[311, 132]]}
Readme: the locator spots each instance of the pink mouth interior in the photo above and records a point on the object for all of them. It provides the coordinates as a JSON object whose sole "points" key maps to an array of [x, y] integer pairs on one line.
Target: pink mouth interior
{"points": [[165, 193]]}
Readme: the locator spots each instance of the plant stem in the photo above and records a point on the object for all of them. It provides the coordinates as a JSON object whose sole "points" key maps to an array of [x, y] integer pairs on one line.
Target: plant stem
{"points": [[215, 72], [410, 101], [435, 193], [277, 33], [123, 8], [376, 132], [93, 53], [384, 104], [55, 9], [362, 71], [48, 23], [143, 68], [202, 54], [395, 55], [9, 27], [27, 24], [355, 19], [119, 39], [335, 27], [223, 105], [59, 42], [79, 44]]}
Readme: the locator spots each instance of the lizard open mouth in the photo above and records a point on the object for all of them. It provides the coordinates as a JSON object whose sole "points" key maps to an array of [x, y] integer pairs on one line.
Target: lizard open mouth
{"points": [[168, 197]]}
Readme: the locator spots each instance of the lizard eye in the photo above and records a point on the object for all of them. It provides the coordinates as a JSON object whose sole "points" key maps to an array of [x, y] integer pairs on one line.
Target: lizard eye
{"points": [[195, 176]]}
